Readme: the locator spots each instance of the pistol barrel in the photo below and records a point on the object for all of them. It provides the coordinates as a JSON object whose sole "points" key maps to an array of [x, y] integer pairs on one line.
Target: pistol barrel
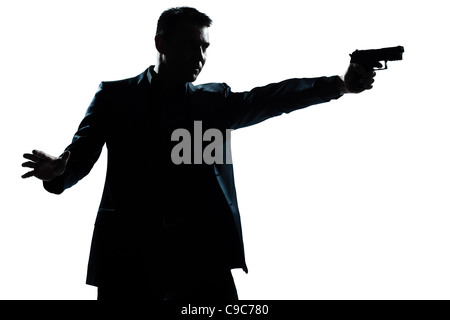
{"points": [[370, 58]]}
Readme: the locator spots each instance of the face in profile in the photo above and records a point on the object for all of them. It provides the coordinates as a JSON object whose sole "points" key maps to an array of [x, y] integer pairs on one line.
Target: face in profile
{"points": [[184, 52]]}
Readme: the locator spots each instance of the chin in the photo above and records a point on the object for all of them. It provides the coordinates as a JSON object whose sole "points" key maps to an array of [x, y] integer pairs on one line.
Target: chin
{"points": [[189, 75], [192, 78]]}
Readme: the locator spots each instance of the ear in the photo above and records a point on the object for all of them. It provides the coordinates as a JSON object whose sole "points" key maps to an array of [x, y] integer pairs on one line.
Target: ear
{"points": [[159, 44]]}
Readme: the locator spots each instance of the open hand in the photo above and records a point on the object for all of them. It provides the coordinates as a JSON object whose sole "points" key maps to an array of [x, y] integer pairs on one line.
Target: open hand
{"points": [[45, 166]]}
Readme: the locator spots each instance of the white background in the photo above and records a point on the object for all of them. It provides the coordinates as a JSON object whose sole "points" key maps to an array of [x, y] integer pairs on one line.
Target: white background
{"points": [[344, 200]]}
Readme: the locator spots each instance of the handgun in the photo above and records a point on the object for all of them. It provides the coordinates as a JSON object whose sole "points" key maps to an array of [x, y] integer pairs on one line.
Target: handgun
{"points": [[370, 59]]}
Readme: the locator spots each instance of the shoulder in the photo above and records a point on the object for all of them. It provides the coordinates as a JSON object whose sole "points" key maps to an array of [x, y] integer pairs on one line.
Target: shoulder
{"points": [[117, 91], [127, 83]]}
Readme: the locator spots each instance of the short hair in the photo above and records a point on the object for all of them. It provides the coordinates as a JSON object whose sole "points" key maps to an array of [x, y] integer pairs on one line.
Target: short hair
{"points": [[170, 18]]}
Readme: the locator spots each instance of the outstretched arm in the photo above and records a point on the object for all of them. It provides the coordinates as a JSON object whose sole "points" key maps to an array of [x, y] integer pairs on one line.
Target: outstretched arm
{"points": [[60, 173], [261, 103]]}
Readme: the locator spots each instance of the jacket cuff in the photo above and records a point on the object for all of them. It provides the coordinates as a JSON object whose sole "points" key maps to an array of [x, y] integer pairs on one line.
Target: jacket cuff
{"points": [[55, 186], [329, 87]]}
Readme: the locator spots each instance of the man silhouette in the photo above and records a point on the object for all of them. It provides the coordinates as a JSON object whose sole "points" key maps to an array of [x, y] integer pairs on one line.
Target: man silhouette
{"points": [[168, 230]]}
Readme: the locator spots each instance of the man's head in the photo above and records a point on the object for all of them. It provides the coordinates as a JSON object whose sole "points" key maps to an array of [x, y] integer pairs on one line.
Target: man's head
{"points": [[181, 40]]}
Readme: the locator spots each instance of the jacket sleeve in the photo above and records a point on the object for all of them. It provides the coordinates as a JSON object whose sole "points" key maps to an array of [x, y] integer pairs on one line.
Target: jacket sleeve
{"points": [[86, 145], [251, 107]]}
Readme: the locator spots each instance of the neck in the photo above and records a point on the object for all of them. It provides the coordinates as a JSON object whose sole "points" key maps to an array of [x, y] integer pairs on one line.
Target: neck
{"points": [[167, 79]]}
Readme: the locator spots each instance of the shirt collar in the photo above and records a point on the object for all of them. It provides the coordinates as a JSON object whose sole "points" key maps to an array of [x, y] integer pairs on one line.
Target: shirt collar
{"points": [[152, 77], [150, 74]]}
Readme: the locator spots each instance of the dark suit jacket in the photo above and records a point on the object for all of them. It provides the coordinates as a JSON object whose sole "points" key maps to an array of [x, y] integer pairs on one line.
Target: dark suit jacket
{"points": [[141, 190]]}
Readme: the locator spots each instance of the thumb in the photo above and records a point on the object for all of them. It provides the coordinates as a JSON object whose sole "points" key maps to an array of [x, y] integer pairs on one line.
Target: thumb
{"points": [[65, 156]]}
